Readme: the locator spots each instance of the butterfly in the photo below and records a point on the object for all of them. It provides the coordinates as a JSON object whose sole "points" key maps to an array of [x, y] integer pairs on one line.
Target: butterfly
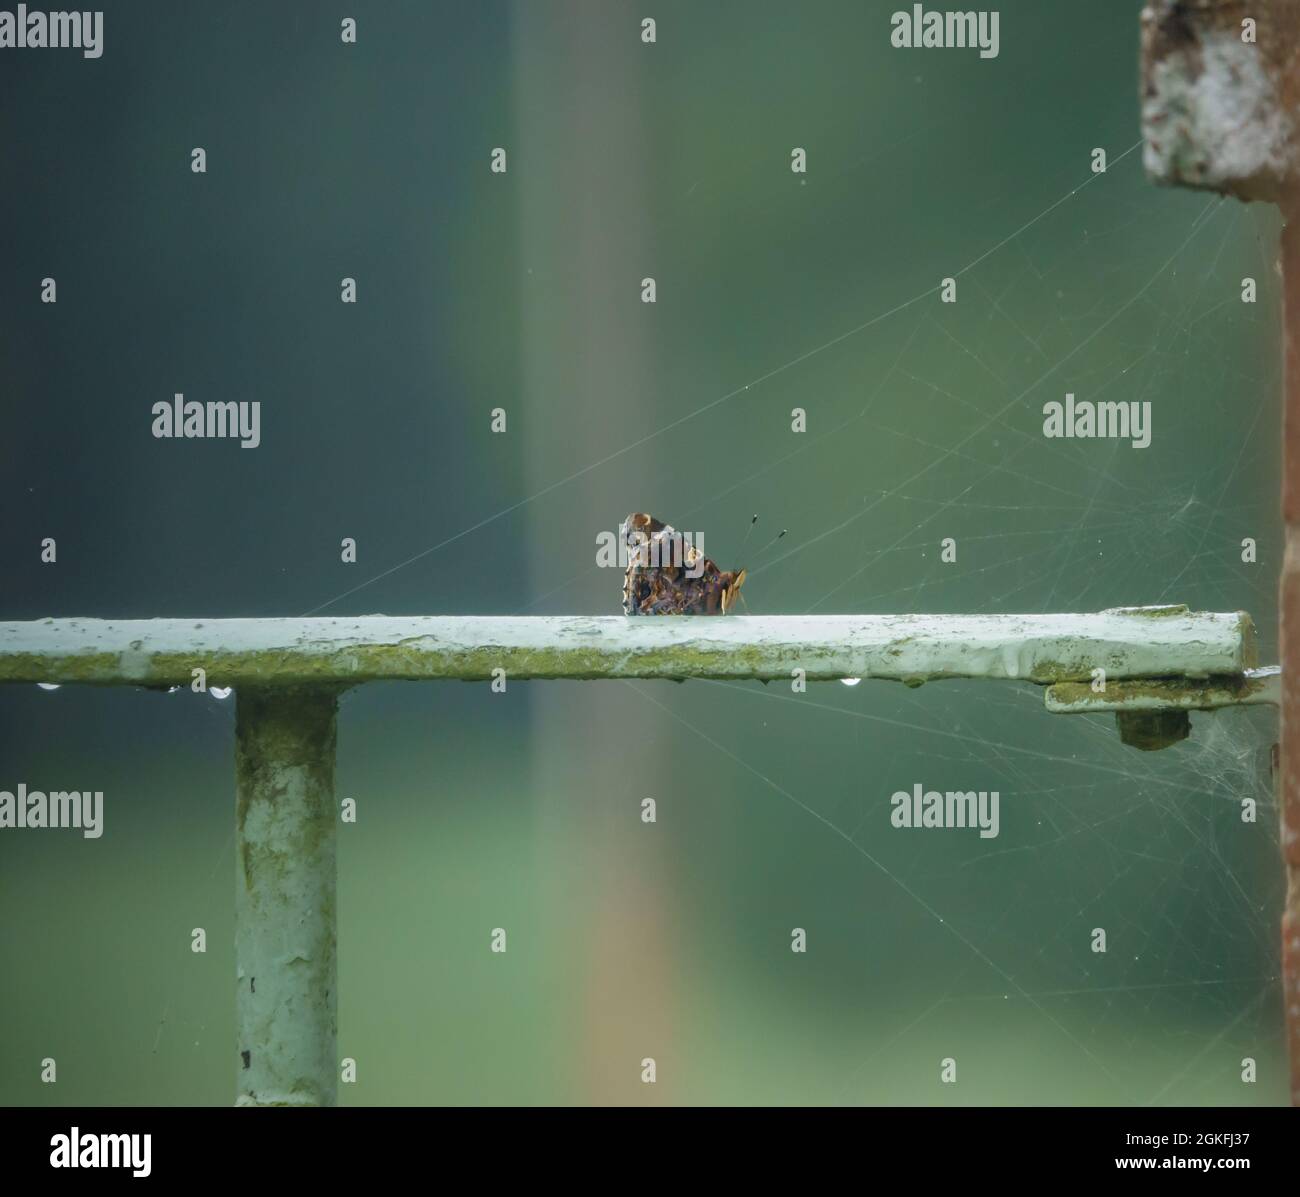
{"points": [[666, 575]]}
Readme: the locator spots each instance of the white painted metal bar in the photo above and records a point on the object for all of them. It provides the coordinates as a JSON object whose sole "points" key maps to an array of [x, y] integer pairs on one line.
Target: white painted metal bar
{"points": [[1125, 642]]}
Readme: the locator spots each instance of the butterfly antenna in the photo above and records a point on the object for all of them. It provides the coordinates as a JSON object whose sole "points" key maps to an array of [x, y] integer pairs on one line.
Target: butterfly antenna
{"points": [[748, 532], [770, 543]]}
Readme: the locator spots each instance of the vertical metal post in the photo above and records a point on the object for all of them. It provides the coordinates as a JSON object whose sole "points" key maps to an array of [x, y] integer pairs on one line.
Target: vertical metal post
{"points": [[1289, 642], [285, 924]]}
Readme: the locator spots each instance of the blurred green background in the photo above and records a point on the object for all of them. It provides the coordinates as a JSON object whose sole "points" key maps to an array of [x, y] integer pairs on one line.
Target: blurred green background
{"points": [[522, 291]]}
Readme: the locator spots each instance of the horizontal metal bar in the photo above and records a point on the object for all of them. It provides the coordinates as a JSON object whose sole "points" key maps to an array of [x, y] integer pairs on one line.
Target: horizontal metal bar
{"points": [[1255, 687], [1125, 642]]}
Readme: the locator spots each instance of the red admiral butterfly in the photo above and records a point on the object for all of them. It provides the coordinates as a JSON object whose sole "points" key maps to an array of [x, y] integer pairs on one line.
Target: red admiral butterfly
{"points": [[668, 576]]}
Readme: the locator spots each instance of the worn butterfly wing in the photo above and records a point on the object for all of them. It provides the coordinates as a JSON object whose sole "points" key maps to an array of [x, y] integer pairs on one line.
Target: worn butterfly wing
{"points": [[667, 576]]}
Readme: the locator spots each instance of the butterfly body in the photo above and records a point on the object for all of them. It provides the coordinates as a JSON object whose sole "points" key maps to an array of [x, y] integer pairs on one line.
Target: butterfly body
{"points": [[666, 575]]}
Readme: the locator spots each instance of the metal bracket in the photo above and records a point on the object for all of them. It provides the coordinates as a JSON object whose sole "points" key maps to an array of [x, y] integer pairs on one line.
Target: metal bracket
{"points": [[1153, 713]]}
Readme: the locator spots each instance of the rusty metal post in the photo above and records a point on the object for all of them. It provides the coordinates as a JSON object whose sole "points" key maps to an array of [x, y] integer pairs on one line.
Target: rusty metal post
{"points": [[285, 932], [1221, 112]]}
